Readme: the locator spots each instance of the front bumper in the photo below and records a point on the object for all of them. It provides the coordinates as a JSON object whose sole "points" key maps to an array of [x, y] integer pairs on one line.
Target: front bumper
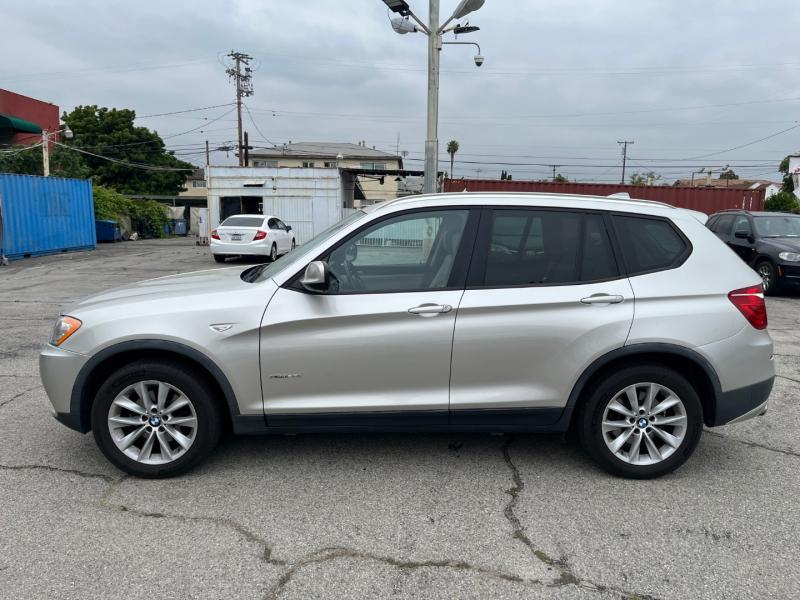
{"points": [[258, 248], [58, 369], [789, 273]]}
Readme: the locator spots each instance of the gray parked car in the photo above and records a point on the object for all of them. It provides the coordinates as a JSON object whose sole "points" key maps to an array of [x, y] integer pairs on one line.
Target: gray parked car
{"points": [[626, 321]]}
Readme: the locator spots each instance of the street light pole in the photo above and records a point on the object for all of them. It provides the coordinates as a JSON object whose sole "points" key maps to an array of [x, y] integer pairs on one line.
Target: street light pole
{"points": [[432, 141], [46, 152], [403, 25]]}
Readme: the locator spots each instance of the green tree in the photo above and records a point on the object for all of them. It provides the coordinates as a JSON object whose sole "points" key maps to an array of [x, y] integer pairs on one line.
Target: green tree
{"points": [[112, 133], [788, 184], [560, 179], [452, 148], [644, 178], [728, 174], [29, 161], [148, 217], [782, 202]]}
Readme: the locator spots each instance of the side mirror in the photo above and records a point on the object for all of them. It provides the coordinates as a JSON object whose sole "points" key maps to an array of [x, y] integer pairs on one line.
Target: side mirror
{"points": [[315, 279], [743, 235], [288, 228]]}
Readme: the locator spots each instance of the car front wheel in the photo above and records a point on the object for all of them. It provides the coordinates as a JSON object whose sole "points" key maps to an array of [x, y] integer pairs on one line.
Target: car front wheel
{"points": [[768, 277], [154, 419], [641, 422], [273, 253], [219, 258]]}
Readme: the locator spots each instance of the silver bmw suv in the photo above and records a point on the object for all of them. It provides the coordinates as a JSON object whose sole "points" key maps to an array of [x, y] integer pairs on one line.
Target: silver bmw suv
{"points": [[627, 322]]}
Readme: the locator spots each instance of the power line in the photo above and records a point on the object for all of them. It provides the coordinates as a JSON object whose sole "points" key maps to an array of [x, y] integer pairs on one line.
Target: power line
{"points": [[142, 166], [747, 144], [188, 110], [253, 121]]}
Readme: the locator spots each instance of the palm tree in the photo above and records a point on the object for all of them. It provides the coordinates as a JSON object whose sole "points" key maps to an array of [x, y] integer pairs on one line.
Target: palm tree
{"points": [[452, 148]]}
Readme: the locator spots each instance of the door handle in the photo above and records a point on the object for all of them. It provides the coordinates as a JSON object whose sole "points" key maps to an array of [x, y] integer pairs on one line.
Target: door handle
{"points": [[430, 310], [602, 299]]}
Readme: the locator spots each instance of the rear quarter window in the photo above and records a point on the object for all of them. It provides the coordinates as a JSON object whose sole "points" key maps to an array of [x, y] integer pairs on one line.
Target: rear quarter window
{"points": [[650, 244], [242, 222]]}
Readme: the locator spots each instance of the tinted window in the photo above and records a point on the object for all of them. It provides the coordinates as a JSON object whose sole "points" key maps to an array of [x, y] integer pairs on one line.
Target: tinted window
{"points": [[280, 224], [242, 222], [272, 224], [648, 244], [742, 224], [405, 253], [724, 225], [529, 247], [712, 223], [597, 260]]}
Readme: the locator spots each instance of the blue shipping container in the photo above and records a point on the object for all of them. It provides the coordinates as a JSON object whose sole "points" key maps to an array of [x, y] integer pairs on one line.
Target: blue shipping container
{"points": [[45, 215]]}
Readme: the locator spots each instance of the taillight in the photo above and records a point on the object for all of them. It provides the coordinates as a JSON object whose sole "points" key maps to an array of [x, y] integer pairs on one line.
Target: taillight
{"points": [[214, 234], [260, 235], [750, 302]]}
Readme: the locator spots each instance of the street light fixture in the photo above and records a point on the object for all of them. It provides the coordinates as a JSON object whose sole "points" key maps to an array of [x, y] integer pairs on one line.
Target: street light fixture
{"points": [[434, 31], [46, 135]]}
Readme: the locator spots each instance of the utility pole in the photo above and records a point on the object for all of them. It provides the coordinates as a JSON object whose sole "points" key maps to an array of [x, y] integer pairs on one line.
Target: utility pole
{"points": [[554, 170], [431, 140], [208, 155], [624, 145], [246, 149], [243, 80], [46, 153]]}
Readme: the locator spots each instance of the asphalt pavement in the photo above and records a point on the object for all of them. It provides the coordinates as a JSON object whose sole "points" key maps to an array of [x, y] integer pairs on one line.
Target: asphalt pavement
{"points": [[377, 516]]}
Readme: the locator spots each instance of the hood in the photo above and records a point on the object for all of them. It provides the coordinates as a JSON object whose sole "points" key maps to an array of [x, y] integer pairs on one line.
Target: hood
{"points": [[175, 288], [783, 244]]}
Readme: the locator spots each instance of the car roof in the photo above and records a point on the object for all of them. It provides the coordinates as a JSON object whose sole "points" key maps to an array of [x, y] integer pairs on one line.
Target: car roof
{"points": [[753, 213], [533, 199], [252, 216]]}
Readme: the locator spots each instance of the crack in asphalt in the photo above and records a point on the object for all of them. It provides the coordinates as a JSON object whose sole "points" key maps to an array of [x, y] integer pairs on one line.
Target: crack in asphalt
{"points": [[752, 444], [566, 575], [84, 474], [19, 395], [788, 378]]}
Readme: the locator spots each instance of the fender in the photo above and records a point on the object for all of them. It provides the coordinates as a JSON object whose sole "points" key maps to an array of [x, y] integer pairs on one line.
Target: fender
{"points": [[632, 351], [80, 403]]}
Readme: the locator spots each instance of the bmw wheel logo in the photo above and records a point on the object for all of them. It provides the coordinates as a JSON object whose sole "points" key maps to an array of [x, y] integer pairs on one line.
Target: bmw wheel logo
{"points": [[642, 423], [155, 421]]}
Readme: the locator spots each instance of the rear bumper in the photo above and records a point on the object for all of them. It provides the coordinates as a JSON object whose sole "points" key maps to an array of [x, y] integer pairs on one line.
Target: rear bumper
{"points": [[741, 404], [258, 248]]}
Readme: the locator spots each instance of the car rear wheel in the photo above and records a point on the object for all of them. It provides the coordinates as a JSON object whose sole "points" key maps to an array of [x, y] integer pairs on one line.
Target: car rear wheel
{"points": [[154, 419], [641, 422], [219, 258], [273, 253], [768, 277], [293, 244]]}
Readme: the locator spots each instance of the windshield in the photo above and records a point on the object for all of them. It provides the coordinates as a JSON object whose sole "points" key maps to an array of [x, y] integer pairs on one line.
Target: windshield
{"points": [[242, 222], [263, 272], [778, 226]]}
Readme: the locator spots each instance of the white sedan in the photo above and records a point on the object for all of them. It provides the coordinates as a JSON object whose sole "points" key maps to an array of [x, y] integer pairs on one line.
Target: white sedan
{"points": [[251, 235]]}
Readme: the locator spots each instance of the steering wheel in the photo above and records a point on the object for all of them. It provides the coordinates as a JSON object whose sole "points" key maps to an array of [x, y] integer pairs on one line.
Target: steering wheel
{"points": [[353, 278]]}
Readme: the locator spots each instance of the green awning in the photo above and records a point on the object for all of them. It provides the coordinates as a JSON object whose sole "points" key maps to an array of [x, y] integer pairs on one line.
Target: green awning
{"points": [[16, 124]]}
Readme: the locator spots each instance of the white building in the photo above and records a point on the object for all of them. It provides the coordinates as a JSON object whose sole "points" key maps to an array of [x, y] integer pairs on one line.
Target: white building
{"points": [[308, 199]]}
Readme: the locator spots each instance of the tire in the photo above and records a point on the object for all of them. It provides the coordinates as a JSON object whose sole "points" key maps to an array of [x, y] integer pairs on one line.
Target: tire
{"points": [[220, 258], [202, 414], [293, 245], [635, 459], [273, 253], [768, 277]]}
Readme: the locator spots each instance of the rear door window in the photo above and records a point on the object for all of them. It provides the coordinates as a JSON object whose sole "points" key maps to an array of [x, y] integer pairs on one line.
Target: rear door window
{"points": [[649, 244], [723, 226]]}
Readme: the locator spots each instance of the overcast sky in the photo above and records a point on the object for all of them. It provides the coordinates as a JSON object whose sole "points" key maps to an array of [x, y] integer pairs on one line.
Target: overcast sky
{"points": [[563, 80]]}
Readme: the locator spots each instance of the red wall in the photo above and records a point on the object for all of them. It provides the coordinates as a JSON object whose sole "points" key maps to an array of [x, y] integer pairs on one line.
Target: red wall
{"points": [[707, 200], [44, 114]]}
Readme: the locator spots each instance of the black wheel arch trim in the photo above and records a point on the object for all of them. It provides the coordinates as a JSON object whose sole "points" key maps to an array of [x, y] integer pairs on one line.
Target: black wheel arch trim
{"points": [[80, 405], [632, 351]]}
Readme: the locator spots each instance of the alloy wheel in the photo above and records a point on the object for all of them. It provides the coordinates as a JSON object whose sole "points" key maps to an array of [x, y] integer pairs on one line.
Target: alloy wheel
{"points": [[766, 275], [644, 423], [152, 422]]}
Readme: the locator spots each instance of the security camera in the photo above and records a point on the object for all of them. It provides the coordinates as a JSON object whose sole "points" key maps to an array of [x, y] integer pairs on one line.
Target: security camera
{"points": [[479, 60], [403, 25]]}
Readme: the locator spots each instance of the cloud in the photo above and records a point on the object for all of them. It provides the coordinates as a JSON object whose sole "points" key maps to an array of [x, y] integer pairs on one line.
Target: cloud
{"points": [[335, 71]]}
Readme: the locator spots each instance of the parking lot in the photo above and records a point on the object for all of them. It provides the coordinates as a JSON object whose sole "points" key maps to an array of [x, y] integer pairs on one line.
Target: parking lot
{"points": [[353, 516]]}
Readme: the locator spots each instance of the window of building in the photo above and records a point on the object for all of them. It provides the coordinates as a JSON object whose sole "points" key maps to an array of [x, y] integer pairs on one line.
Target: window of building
{"points": [[198, 183], [331, 164], [272, 164], [308, 164], [373, 166], [649, 244]]}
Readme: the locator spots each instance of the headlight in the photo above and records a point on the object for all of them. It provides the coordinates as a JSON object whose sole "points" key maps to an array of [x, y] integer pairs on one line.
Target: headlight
{"points": [[790, 256], [65, 327]]}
